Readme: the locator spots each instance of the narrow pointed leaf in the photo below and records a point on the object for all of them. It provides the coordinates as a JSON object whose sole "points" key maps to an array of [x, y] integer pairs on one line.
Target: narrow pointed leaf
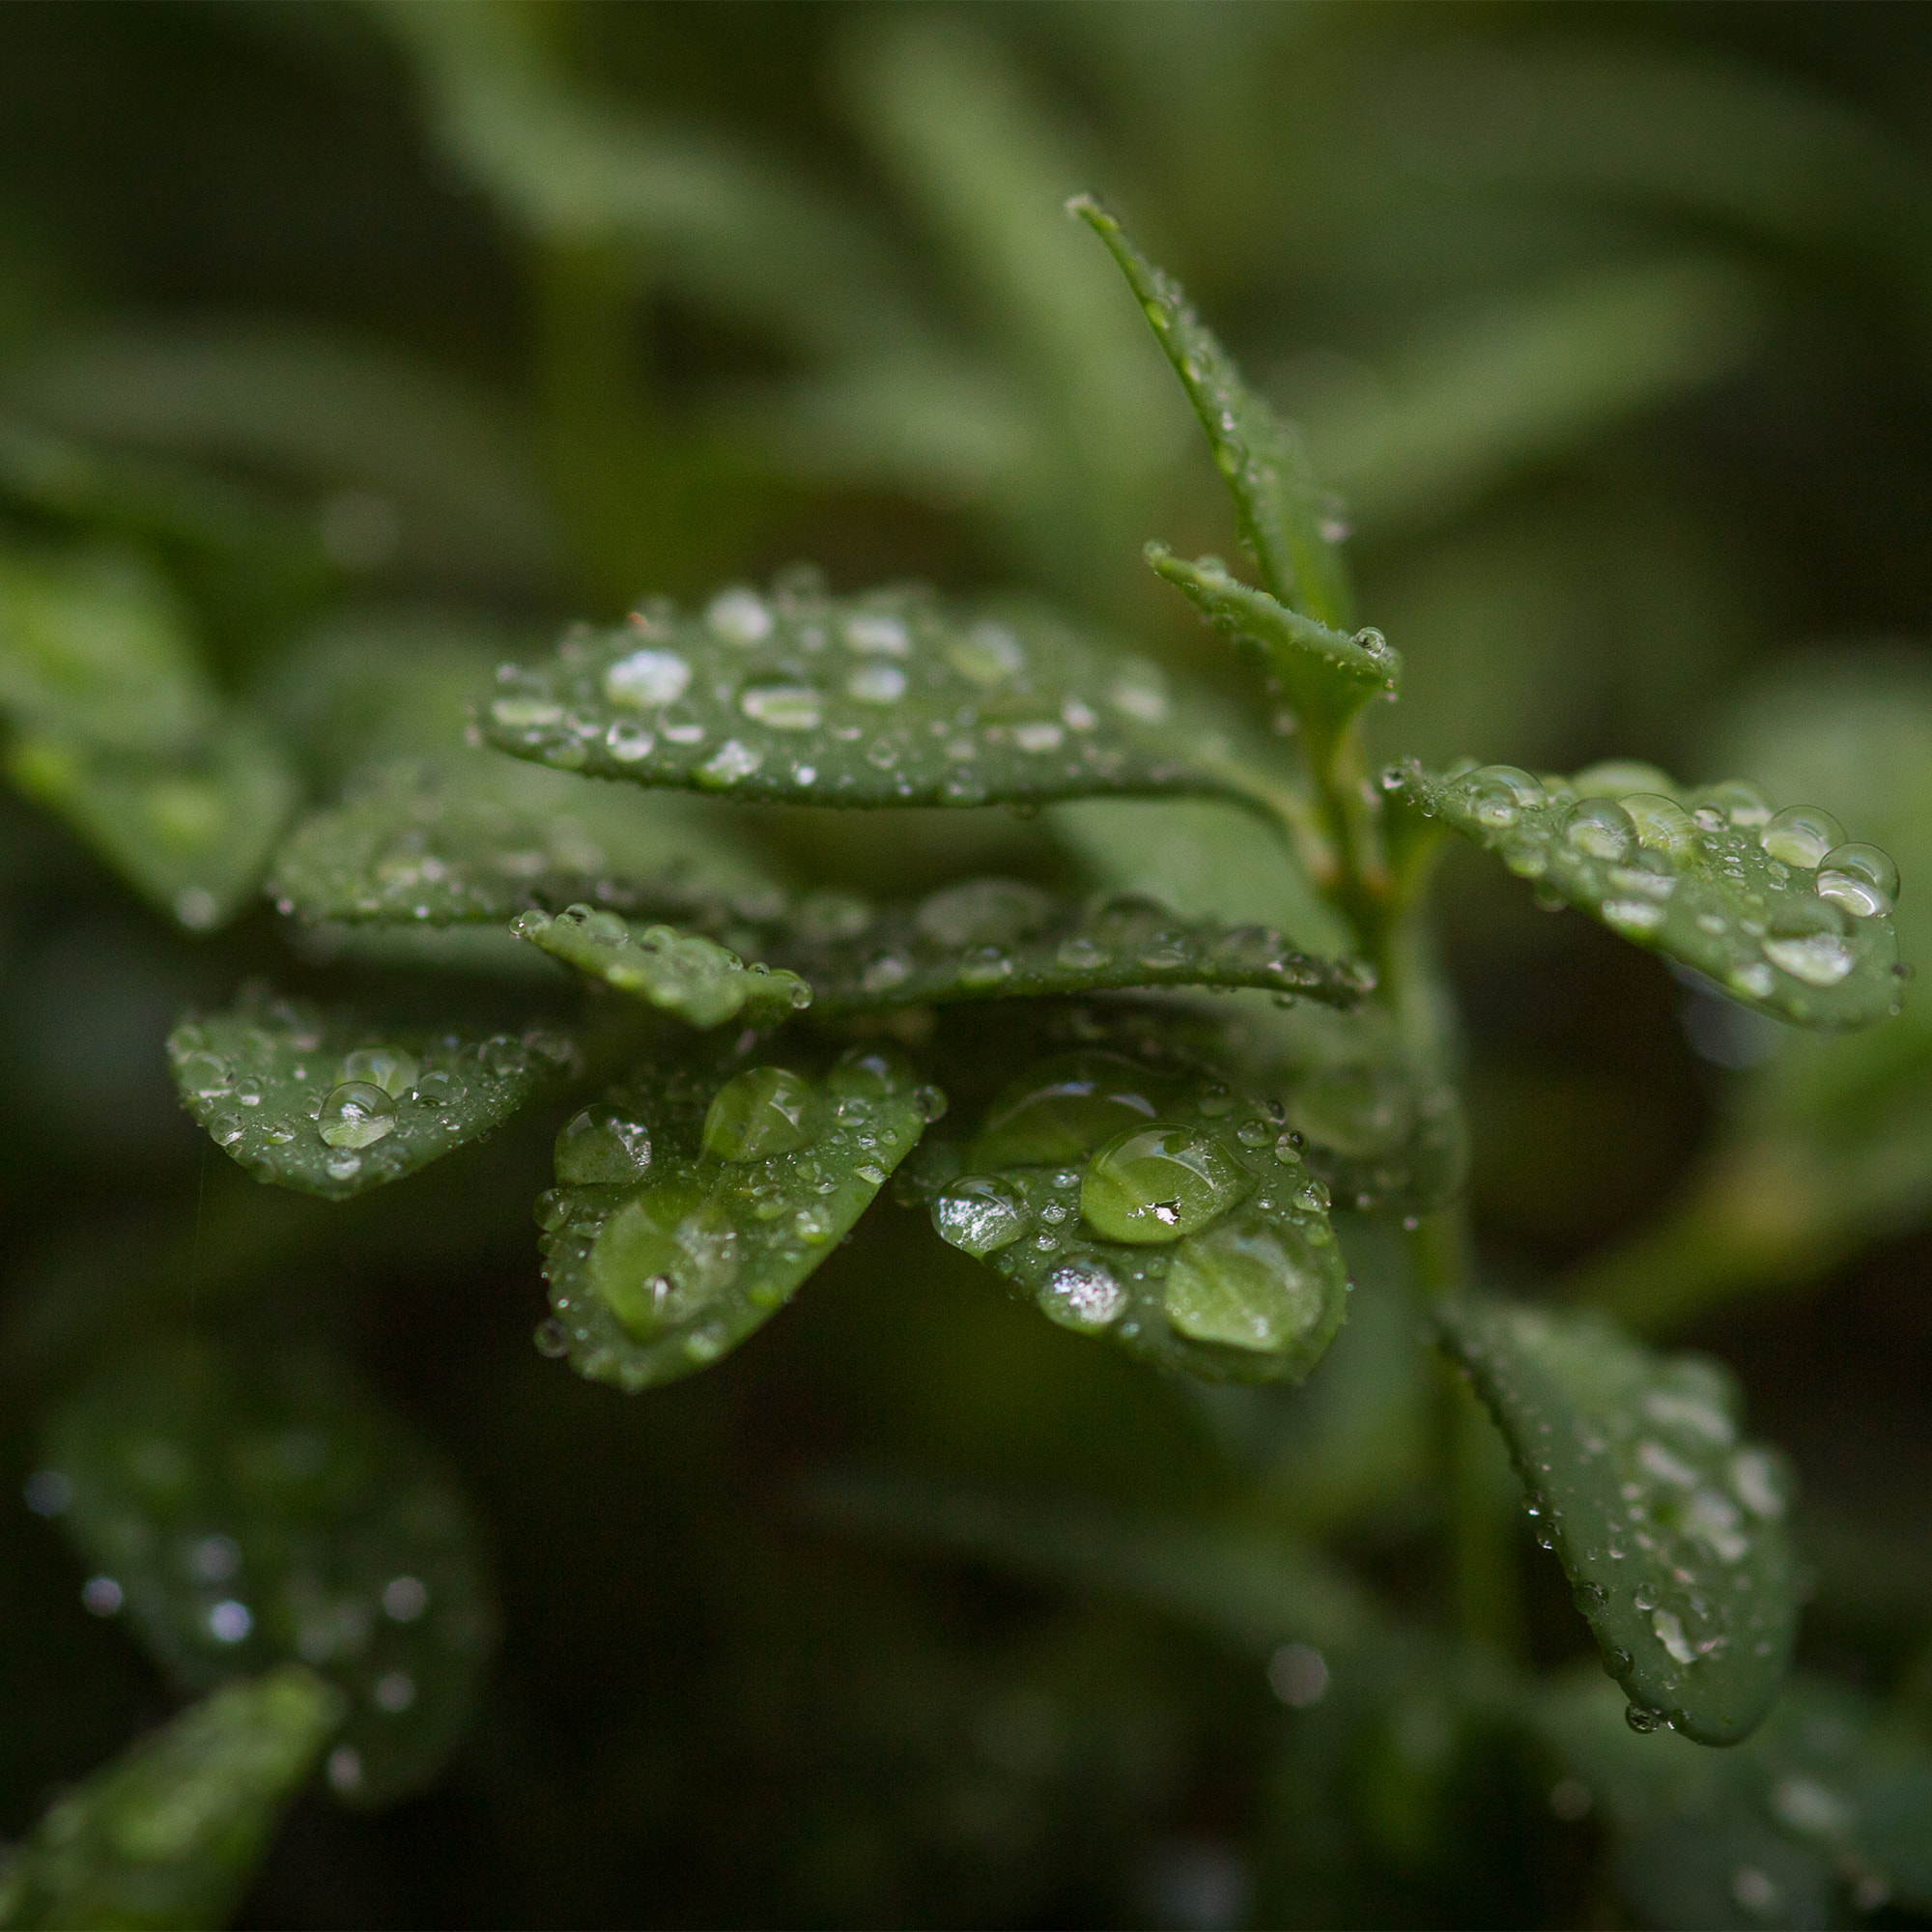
{"points": [[1285, 520], [1001, 938], [1781, 909], [1324, 674], [474, 839], [678, 972], [324, 1102], [169, 1834], [1139, 1191], [1668, 1523], [692, 1205], [191, 834], [888, 699], [254, 1511]]}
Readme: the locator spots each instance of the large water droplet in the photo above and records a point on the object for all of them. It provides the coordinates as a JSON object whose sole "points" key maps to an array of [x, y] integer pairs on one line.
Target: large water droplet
{"points": [[1497, 795], [783, 704], [1858, 879], [1601, 828], [1662, 825], [601, 1148], [389, 1067], [1800, 834], [1081, 1293], [355, 1115], [664, 1258], [646, 679], [1807, 941], [876, 683], [1246, 1284], [1159, 1183], [877, 632], [977, 1215], [1063, 1109], [1739, 803], [988, 654], [739, 616], [765, 1111]]}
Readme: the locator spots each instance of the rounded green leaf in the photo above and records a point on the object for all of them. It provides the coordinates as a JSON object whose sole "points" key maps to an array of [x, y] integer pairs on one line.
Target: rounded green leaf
{"points": [[284, 1089], [748, 1173], [254, 1511], [893, 698], [1668, 1523], [1775, 907], [677, 972], [169, 1834]]}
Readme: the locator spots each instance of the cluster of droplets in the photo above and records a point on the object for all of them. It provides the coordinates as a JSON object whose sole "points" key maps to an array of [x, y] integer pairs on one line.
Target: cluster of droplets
{"points": [[1669, 1525], [659, 1265], [1152, 1203], [278, 1086], [793, 693], [1777, 906]]}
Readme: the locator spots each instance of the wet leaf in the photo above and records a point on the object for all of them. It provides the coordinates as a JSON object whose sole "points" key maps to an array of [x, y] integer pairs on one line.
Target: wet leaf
{"points": [[1139, 1191], [1325, 674], [1287, 522], [693, 1204], [327, 1103], [191, 833], [169, 1833], [1781, 909], [677, 972], [1669, 1525], [1001, 938], [94, 648], [893, 698], [1820, 1813], [259, 1510]]}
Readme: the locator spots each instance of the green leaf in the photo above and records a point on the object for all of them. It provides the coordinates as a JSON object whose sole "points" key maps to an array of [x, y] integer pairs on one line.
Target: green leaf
{"points": [[1821, 1813], [255, 1511], [1134, 1190], [1779, 909], [1669, 1527], [95, 647], [888, 699], [1287, 522], [692, 1204], [191, 834], [169, 1834], [327, 1103], [468, 839], [1001, 938], [1324, 673], [677, 972]]}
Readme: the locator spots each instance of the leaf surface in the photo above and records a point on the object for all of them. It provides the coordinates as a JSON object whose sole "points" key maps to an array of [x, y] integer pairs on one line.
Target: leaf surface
{"points": [[254, 1511], [678, 972], [1780, 909], [1668, 1523], [696, 1201], [888, 699], [169, 1834], [327, 1103], [1285, 520]]}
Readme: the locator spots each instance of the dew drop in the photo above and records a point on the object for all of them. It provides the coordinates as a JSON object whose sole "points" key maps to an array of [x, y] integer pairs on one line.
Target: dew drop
{"points": [[1062, 1110], [601, 1148], [782, 704], [356, 1114], [1157, 1184], [1600, 827], [1858, 879], [1083, 1294], [763, 1112], [977, 1215], [1247, 1284], [389, 1067], [876, 683], [739, 616], [1799, 836], [1497, 795]]}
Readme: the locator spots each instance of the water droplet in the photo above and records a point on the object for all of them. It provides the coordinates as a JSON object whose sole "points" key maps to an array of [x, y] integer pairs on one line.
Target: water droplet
{"points": [[551, 1338], [1247, 1284], [868, 1073], [1669, 1629], [1662, 825], [1153, 1183], [1499, 795], [389, 1067], [358, 1114], [730, 762], [1641, 1718], [1081, 1293], [739, 616], [763, 1112], [1038, 737], [664, 1258], [988, 654], [876, 683], [526, 712], [647, 679], [1063, 1109], [1355, 1111], [204, 1075], [1600, 827], [627, 742], [782, 704], [1741, 803], [984, 912], [1807, 942], [877, 633], [1858, 879], [1799, 836], [601, 1148], [1633, 916], [930, 1104], [977, 1215]]}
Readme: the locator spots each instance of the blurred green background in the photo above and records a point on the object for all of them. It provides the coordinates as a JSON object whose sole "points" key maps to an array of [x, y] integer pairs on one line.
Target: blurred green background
{"points": [[1612, 328]]}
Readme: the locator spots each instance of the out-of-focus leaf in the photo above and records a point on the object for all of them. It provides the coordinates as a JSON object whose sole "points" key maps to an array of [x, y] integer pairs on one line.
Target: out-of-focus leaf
{"points": [[887, 698], [694, 1202], [256, 1512], [446, 481], [327, 1103], [1668, 1525], [679, 972], [1147, 1194], [1001, 938], [1287, 522], [95, 647], [191, 834], [1466, 405], [1822, 1808], [168, 1836], [1779, 909]]}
